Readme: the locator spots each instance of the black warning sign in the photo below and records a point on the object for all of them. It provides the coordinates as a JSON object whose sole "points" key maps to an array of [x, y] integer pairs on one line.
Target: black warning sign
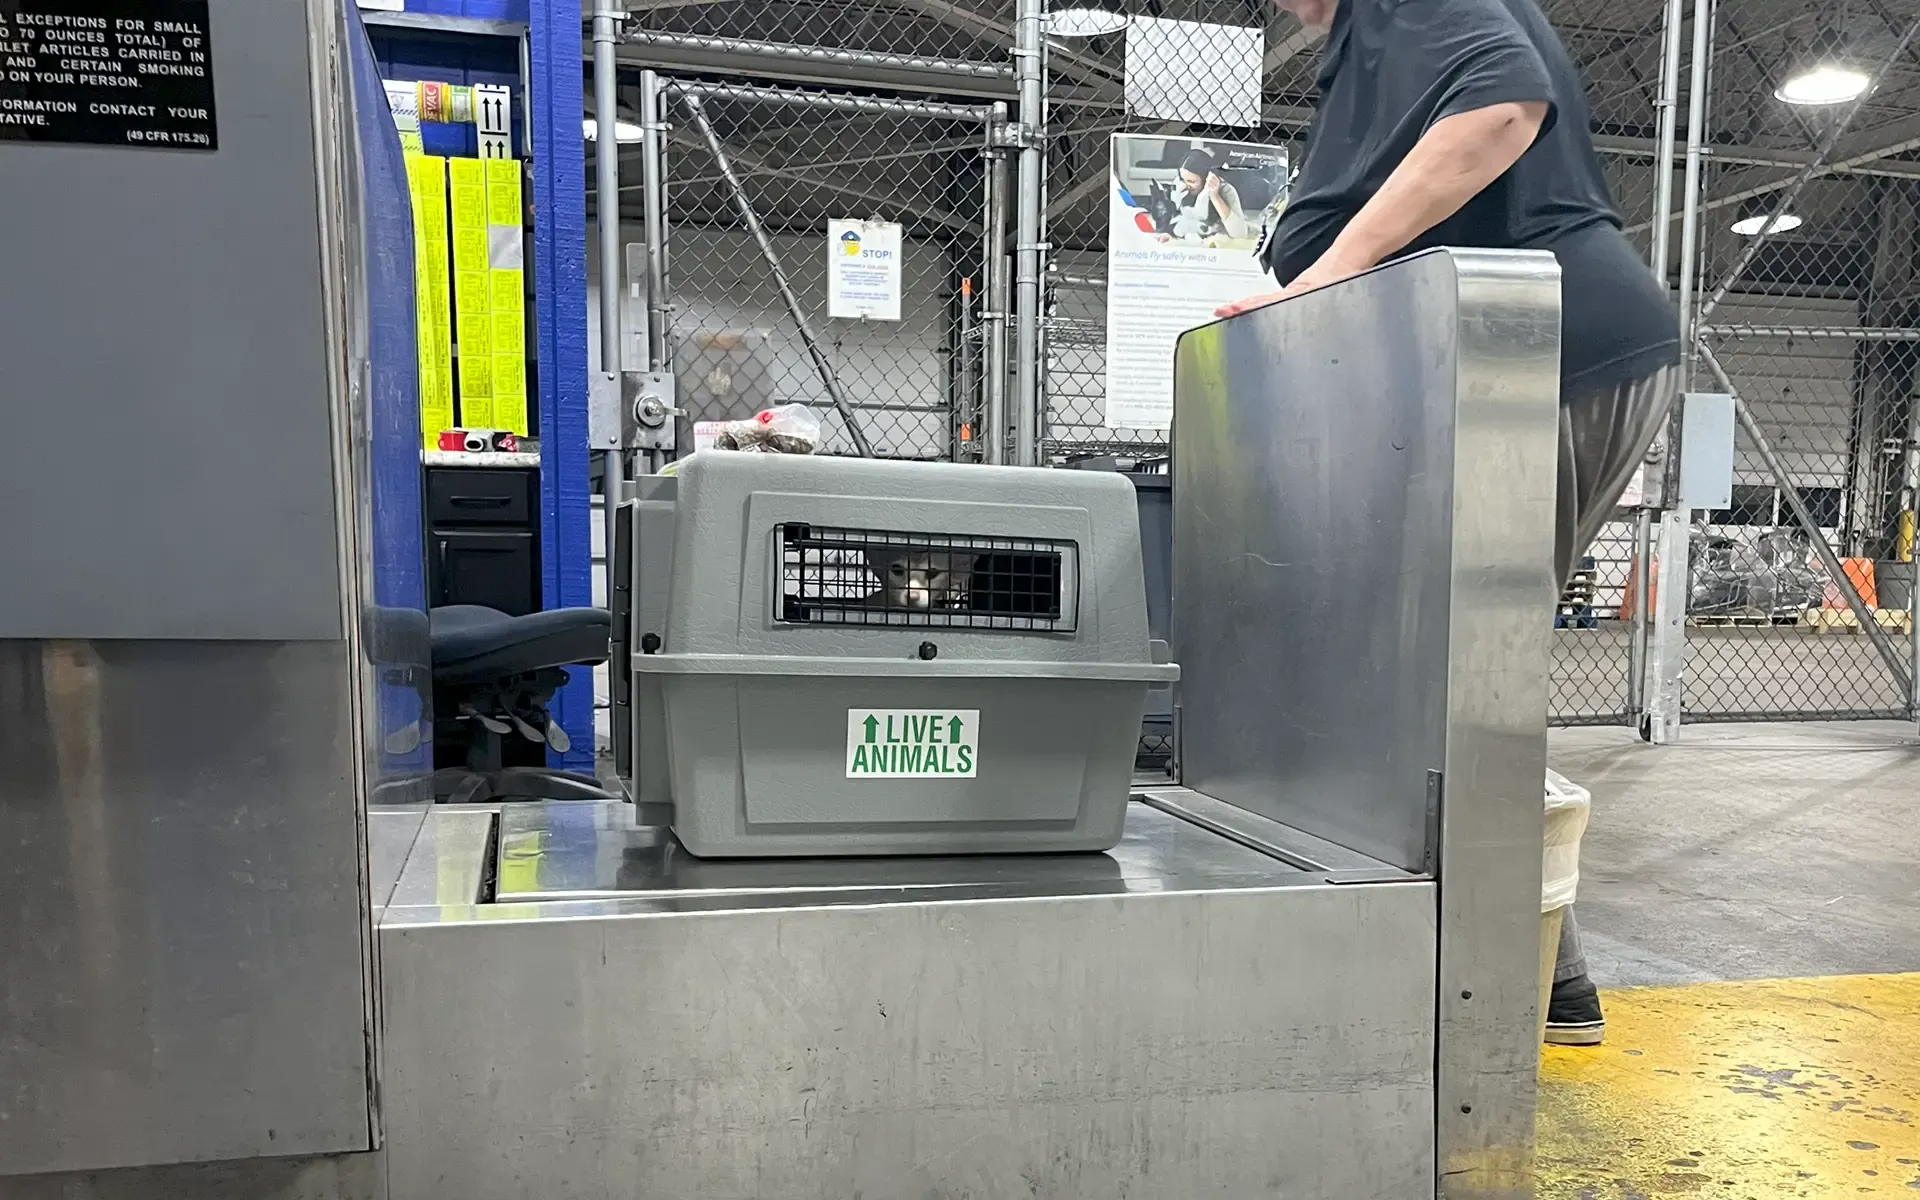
{"points": [[109, 72]]}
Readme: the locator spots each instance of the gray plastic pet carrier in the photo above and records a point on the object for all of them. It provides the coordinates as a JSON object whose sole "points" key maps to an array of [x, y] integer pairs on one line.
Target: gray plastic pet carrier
{"points": [[865, 657]]}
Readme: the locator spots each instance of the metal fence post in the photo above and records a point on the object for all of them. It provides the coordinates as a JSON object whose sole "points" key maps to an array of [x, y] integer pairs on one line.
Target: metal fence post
{"points": [[1911, 536], [1668, 104], [606, 164], [1666, 655], [994, 319], [653, 176], [1029, 52]]}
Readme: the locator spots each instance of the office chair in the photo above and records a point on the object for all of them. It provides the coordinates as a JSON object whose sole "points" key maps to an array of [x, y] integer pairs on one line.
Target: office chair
{"points": [[493, 677]]}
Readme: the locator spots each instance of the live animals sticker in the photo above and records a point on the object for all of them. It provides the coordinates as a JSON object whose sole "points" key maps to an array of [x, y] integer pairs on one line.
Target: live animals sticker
{"points": [[913, 743]]}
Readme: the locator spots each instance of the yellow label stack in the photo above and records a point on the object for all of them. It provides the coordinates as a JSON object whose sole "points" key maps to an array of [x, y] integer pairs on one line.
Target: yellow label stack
{"points": [[506, 295], [467, 192], [427, 177]]}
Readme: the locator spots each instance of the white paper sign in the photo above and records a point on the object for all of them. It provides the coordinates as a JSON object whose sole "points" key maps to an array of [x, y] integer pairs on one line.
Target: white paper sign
{"points": [[864, 269], [404, 100], [1195, 72], [913, 743], [1184, 218]]}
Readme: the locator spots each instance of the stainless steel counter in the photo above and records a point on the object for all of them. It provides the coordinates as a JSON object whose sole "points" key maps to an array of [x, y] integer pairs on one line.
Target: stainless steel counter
{"points": [[1196, 1012], [554, 852], [587, 859]]}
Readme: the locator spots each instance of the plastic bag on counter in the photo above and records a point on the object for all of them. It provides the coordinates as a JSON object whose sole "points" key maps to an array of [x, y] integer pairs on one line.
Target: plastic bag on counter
{"points": [[786, 429]]}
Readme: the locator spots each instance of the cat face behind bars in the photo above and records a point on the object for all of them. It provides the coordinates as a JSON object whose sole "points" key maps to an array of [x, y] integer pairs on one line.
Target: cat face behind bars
{"points": [[931, 579]]}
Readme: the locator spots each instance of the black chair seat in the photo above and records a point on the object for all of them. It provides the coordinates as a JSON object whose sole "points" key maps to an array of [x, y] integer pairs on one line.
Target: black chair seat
{"points": [[473, 644]]}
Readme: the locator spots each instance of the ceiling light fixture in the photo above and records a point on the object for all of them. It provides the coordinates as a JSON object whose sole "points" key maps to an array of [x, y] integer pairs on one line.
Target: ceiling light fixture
{"points": [[1755, 225], [1823, 83], [623, 131], [1084, 22]]}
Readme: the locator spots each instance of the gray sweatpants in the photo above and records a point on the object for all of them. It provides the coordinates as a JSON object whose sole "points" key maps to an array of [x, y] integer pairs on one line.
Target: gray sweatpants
{"points": [[1604, 436]]}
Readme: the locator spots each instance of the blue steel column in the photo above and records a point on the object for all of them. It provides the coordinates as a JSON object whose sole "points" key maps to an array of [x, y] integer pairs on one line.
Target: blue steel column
{"points": [[560, 311]]}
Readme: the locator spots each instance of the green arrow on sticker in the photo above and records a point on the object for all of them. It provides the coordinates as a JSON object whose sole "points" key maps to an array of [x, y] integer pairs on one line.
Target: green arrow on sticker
{"points": [[873, 727], [954, 726]]}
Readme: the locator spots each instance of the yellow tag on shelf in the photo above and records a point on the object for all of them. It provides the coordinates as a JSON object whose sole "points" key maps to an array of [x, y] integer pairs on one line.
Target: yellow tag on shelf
{"points": [[427, 177], [470, 290], [469, 247], [476, 335], [509, 333], [503, 192], [505, 290], [510, 393]]}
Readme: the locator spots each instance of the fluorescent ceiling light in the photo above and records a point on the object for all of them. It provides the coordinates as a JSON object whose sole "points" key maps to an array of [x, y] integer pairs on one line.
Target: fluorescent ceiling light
{"points": [[1084, 22], [623, 131], [1826, 83], [1754, 225]]}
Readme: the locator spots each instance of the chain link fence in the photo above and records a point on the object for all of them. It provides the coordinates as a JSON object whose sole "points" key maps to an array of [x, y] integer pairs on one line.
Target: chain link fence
{"points": [[1816, 329], [1808, 316]]}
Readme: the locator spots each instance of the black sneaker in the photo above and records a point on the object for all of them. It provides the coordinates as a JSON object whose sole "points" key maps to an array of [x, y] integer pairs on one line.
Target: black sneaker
{"points": [[1573, 1016]]}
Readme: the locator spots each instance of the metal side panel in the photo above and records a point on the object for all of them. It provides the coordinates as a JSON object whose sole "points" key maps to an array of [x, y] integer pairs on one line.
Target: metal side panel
{"points": [[1312, 475], [1501, 590], [1251, 1042], [1364, 486], [183, 945]]}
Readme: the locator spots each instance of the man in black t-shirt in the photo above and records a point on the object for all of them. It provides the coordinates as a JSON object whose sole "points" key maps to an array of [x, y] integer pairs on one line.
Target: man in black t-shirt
{"points": [[1464, 123]]}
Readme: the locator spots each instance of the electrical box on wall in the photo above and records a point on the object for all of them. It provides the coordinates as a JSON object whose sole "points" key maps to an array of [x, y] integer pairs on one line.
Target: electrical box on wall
{"points": [[1706, 450]]}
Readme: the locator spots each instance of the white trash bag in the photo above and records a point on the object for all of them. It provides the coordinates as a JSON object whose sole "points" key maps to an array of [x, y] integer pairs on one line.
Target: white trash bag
{"points": [[1568, 805]]}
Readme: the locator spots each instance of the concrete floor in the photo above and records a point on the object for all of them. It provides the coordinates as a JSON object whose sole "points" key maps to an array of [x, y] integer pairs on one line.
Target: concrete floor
{"points": [[1751, 899]]}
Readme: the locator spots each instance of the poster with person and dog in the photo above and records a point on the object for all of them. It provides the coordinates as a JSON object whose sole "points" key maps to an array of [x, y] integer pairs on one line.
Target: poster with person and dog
{"points": [[1185, 220]]}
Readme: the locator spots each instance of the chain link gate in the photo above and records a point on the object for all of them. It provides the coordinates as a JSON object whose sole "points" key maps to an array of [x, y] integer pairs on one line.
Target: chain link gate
{"points": [[753, 175], [1800, 593]]}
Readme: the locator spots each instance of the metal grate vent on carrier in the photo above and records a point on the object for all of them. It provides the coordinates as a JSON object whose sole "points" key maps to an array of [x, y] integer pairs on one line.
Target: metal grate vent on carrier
{"points": [[834, 576]]}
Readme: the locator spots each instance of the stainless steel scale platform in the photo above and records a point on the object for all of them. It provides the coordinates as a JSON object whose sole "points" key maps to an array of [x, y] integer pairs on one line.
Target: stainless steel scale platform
{"points": [[639, 1022]]}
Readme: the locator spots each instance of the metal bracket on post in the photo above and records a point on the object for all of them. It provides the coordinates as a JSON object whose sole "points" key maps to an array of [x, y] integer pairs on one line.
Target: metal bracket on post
{"points": [[648, 411], [603, 411], [632, 411], [1013, 135]]}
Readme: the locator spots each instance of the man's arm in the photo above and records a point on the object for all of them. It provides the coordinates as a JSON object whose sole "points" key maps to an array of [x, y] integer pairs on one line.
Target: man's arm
{"points": [[1454, 160]]}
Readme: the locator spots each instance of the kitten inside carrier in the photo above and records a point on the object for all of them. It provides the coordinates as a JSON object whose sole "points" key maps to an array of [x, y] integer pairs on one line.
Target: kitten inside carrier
{"points": [[930, 579]]}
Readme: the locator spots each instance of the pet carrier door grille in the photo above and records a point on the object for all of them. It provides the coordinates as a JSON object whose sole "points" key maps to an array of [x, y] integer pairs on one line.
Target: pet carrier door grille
{"points": [[833, 576]]}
